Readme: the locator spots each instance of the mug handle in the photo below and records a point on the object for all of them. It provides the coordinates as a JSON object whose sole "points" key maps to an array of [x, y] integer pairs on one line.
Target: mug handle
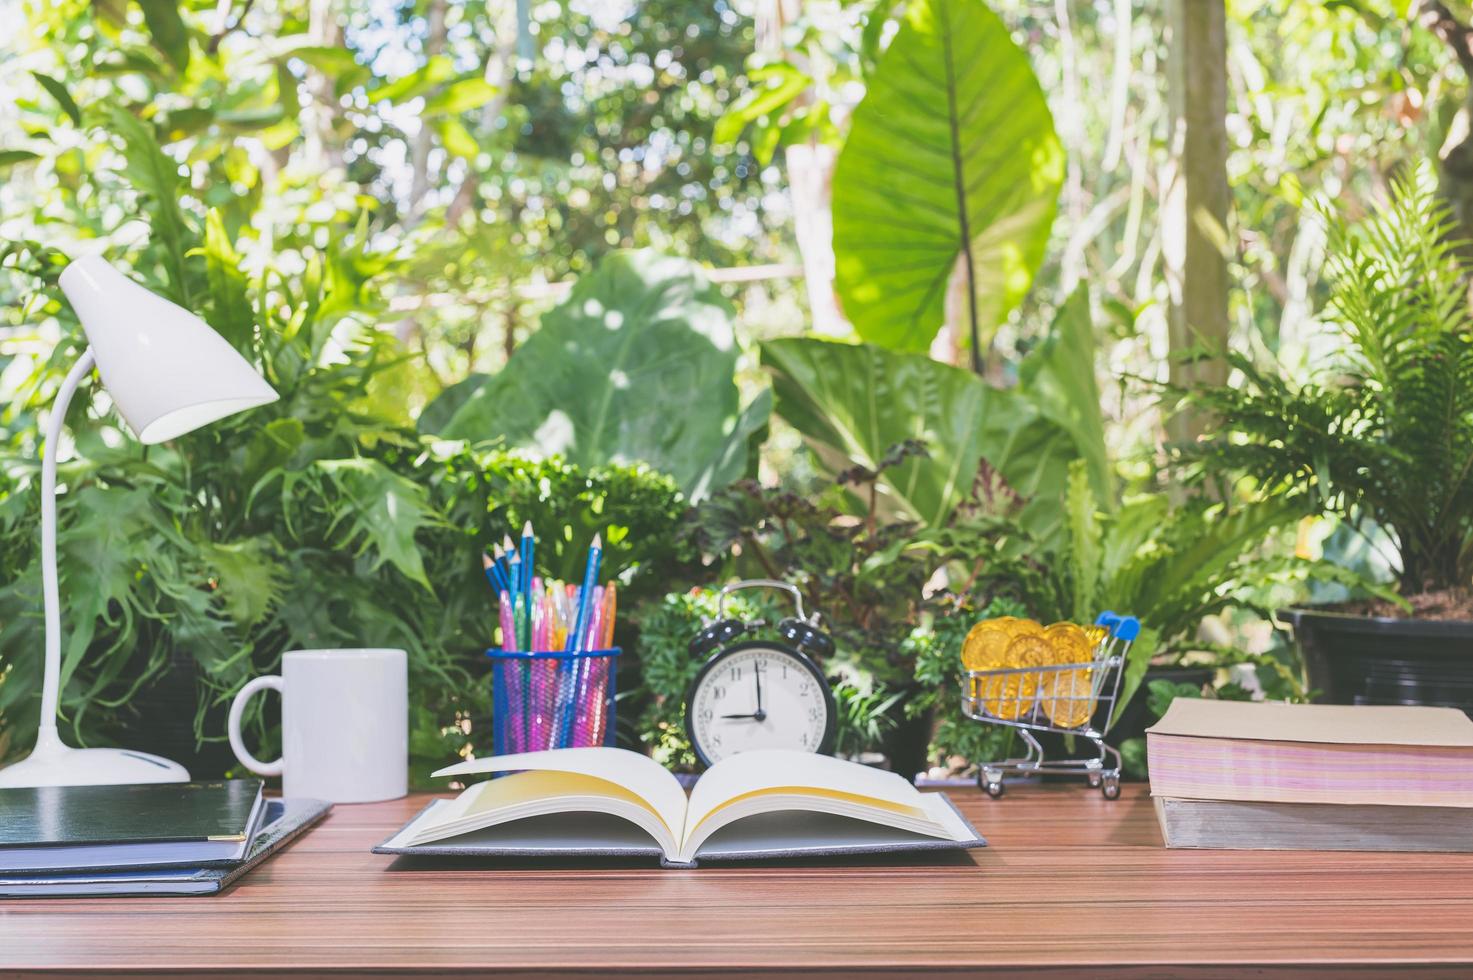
{"points": [[237, 709]]}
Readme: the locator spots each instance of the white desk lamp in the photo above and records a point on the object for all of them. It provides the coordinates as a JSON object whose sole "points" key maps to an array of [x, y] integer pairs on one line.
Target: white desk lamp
{"points": [[168, 373]]}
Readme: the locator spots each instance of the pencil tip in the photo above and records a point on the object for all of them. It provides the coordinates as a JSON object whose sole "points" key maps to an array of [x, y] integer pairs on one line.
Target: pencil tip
{"points": [[486, 561], [598, 540], [527, 530]]}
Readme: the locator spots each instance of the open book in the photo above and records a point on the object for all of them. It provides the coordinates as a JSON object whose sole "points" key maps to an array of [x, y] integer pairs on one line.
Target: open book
{"points": [[602, 801]]}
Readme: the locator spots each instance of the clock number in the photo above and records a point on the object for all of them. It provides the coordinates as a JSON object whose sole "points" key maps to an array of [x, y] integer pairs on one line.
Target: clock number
{"points": [[736, 673]]}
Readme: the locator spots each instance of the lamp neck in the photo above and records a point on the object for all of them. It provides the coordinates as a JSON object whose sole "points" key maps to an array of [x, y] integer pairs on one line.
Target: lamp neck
{"points": [[51, 682]]}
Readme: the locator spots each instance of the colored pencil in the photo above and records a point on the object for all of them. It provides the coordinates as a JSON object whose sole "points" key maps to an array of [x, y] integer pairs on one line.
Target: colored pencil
{"points": [[590, 576], [529, 549], [611, 604], [514, 576], [578, 639], [514, 690], [493, 574], [498, 557], [508, 550]]}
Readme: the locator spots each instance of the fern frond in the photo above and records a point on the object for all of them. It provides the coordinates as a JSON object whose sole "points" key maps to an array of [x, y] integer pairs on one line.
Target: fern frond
{"points": [[1387, 429]]}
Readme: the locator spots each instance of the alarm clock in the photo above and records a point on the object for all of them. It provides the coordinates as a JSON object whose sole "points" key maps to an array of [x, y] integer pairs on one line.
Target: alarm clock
{"points": [[760, 693]]}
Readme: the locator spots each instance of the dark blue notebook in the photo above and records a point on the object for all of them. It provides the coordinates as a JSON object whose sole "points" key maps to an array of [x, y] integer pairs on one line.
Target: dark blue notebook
{"points": [[284, 821], [90, 828]]}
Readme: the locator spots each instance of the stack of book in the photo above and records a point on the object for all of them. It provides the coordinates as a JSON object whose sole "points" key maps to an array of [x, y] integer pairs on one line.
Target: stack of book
{"points": [[1232, 774], [159, 839]]}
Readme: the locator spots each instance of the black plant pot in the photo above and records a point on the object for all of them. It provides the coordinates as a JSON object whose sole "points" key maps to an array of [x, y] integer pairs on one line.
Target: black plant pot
{"points": [[907, 745], [160, 720], [1136, 717], [1371, 660]]}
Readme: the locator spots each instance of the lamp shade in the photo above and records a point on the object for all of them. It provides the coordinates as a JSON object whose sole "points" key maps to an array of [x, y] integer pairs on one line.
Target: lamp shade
{"points": [[167, 370]]}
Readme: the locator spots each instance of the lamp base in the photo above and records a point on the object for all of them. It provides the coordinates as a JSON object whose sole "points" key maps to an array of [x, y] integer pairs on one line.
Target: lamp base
{"points": [[53, 763]]}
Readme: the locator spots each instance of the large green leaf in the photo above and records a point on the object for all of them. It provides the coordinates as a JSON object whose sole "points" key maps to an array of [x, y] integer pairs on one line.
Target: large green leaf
{"points": [[1059, 377], [951, 155], [468, 93], [167, 29], [635, 365], [852, 403], [61, 95]]}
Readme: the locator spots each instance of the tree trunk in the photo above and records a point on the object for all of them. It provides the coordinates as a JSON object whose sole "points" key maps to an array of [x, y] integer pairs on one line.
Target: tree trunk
{"points": [[322, 149], [1455, 160], [424, 140], [1194, 212], [499, 73], [810, 168]]}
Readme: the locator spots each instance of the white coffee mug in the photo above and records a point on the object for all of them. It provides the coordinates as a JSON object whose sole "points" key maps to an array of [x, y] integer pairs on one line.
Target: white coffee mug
{"points": [[344, 725]]}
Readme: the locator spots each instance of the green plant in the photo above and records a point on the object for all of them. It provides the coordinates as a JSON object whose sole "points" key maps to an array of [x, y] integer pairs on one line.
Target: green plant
{"points": [[1384, 431], [936, 651], [954, 105], [636, 364], [849, 568], [320, 520], [1171, 565], [853, 403], [632, 507], [666, 668]]}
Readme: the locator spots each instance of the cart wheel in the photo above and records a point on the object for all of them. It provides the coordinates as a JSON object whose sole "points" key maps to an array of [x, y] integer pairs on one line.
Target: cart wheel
{"points": [[995, 789], [1094, 780], [1111, 788]]}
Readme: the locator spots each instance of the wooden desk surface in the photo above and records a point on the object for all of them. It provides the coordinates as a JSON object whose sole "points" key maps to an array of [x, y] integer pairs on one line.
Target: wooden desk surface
{"points": [[1072, 883]]}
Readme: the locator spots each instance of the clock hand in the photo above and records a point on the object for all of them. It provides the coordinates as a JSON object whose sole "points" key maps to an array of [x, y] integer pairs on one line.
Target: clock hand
{"points": [[757, 673], [757, 715]]}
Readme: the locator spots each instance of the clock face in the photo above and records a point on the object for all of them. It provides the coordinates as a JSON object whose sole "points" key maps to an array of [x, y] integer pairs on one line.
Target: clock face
{"points": [[758, 696]]}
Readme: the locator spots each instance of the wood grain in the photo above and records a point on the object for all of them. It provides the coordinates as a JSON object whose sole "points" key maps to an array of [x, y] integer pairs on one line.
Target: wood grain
{"points": [[1072, 885]]}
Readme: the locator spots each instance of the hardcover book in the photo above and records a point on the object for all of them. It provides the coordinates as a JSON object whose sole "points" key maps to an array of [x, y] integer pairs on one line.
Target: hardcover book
{"points": [[1312, 753], [1313, 826], [612, 802]]}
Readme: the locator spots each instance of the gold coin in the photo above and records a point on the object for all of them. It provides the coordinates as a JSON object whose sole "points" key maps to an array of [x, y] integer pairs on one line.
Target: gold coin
{"points": [[1068, 695], [1070, 642], [1022, 627], [1014, 695], [983, 648]]}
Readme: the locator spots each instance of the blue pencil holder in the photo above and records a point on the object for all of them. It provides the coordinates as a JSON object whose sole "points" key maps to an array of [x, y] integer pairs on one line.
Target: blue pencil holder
{"points": [[552, 699]]}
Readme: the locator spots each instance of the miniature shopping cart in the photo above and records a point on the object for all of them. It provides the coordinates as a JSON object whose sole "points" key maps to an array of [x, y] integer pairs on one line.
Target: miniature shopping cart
{"points": [[1075, 699]]}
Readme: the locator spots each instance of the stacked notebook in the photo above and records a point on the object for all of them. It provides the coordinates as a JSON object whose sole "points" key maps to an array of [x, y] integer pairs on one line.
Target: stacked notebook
{"points": [[162, 839], [1233, 774]]}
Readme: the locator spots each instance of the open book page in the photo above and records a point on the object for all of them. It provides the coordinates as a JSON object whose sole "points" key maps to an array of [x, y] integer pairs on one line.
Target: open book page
{"points": [[601, 780], [796, 802], [639, 774], [539, 793], [767, 781]]}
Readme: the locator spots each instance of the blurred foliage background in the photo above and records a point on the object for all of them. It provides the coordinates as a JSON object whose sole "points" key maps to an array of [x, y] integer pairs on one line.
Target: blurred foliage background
{"points": [[395, 193]]}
